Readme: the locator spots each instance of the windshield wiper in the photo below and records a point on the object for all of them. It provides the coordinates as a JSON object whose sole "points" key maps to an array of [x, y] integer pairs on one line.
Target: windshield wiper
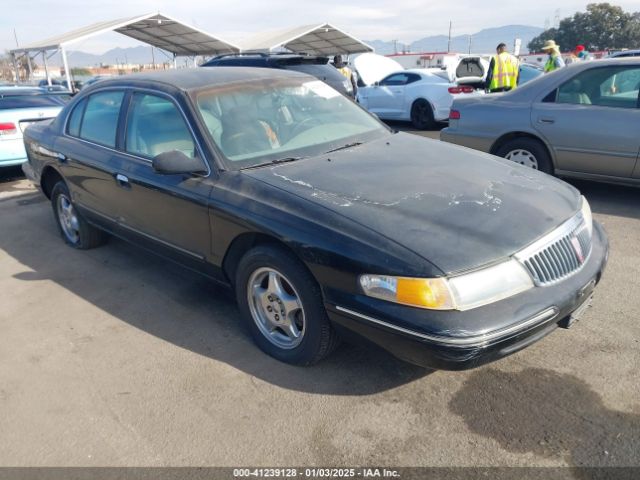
{"points": [[343, 147], [273, 162]]}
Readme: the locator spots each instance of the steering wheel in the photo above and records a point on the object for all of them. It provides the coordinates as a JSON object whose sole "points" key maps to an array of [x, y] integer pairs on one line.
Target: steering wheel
{"points": [[299, 127]]}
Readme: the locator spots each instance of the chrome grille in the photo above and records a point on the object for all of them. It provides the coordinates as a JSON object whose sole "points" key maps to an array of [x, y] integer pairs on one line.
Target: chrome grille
{"points": [[559, 254]]}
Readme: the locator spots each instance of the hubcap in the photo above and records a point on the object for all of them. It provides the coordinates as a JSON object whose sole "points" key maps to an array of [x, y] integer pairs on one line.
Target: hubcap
{"points": [[68, 219], [276, 308], [523, 157]]}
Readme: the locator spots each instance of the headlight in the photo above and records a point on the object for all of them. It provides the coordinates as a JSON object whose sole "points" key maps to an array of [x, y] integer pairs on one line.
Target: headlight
{"points": [[586, 215], [461, 292]]}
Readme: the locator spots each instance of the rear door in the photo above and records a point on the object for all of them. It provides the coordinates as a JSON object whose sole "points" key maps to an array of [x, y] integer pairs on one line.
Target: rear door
{"points": [[170, 211], [592, 121], [88, 158]]}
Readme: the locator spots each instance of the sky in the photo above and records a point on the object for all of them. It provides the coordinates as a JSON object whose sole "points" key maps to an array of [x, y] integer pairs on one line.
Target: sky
{"points": [[233, 20]]}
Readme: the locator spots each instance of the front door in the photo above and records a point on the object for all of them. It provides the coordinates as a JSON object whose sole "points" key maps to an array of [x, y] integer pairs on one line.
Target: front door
{"points": [[169, 210], [387, 98], [592, 121]]}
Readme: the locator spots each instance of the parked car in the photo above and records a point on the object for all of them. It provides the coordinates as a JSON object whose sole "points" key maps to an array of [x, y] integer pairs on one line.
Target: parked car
{"points": [[420, 96], [19, 108], [316, 66], [93, 80], [528, 72], [322, 220], [581, 121], [625, 53]]}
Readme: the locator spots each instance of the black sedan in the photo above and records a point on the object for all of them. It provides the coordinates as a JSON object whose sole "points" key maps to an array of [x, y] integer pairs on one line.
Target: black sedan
{"points": [[323, 221]]}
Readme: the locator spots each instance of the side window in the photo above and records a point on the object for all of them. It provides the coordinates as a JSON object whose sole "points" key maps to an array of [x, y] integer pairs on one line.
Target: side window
{"points": [[413, 77], [100, 120], [154, 126], [395, 79], [607, 87], [73, 125]]}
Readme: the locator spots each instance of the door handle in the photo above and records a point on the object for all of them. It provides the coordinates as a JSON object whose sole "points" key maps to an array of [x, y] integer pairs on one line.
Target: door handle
{"points": [[546, 120], [122, 180]]}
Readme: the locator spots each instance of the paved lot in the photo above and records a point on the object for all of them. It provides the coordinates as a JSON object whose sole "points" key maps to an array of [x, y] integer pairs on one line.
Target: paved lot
{"points": [[115, 357]]}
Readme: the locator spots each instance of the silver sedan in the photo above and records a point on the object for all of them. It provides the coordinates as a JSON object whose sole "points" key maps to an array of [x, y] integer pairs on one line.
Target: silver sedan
{"points": [[581, 121]]}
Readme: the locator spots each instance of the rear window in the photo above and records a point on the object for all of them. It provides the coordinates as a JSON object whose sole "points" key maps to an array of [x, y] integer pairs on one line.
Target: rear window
{"points": [[30, 101]]}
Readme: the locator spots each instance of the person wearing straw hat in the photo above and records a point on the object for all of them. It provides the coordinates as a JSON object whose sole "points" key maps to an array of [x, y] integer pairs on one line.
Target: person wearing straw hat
{"points": [[554, 61]]}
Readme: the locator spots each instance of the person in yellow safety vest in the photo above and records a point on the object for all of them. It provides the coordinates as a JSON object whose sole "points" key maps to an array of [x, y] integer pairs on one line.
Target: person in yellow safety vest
{"points": [[554, 60], [503, 71], [346, 71]]}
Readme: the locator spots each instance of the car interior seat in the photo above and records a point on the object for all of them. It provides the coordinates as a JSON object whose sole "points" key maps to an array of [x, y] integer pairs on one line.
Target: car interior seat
{"points": [[573, 93]]}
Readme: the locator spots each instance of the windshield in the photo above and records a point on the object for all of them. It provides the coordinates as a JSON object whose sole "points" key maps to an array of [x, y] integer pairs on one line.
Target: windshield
{"points": [[260, 122]]}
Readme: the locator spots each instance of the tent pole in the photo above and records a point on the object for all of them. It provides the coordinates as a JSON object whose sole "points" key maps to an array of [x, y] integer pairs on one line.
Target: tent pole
{"points": [[46, 67], [15, 66], [66, 69], [29, 66], [175, 61]]}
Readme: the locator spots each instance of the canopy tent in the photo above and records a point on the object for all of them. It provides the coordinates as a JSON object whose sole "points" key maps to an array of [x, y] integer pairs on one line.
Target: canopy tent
{"points": [[154, 29], [323, 39]]}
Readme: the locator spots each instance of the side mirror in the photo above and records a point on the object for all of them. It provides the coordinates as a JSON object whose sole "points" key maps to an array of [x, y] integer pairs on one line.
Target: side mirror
{"points": [[174, 162]]}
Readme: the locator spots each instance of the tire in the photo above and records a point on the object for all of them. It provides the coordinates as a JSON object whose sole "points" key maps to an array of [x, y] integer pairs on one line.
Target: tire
{"points": [[422, 115], [74, 229], [529, 152], [277, 296]]}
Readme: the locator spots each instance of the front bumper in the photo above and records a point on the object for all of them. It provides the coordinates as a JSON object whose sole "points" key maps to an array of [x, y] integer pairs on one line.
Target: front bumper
{"points": [[461, 340]]}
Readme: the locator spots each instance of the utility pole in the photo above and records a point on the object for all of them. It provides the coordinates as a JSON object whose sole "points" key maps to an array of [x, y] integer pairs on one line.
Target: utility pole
{"points": [[449, 41], [153, 58], [469, 45]]}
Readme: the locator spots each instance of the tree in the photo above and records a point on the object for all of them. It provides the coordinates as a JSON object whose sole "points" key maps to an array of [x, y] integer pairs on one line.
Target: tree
{"points": [[602, 27]]}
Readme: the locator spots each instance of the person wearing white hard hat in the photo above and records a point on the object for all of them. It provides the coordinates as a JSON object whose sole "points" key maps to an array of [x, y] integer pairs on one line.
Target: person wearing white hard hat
{"points": [[554, 61]]}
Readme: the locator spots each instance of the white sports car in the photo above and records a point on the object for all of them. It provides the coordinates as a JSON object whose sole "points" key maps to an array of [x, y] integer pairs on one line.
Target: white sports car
{"points": [[421, 96]]}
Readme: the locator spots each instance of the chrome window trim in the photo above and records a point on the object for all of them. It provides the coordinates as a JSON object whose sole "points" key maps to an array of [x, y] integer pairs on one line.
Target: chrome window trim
{"points": [[464, 342], [122, 152]]}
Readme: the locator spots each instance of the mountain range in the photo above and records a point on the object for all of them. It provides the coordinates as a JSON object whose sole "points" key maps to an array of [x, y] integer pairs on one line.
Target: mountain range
{"points": [[484, 41]]}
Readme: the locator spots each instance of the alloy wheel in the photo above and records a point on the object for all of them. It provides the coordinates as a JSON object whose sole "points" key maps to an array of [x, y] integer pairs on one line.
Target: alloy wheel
{"points": [[276, 308], [68, 219]]}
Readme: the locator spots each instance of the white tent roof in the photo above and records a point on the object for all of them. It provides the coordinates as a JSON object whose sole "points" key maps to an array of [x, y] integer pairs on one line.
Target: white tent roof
{"points": [[323, 39], [154, 29]]}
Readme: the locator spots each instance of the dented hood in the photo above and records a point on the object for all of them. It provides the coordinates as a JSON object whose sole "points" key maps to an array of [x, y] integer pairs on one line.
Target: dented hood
{"points": [[456, 207]]}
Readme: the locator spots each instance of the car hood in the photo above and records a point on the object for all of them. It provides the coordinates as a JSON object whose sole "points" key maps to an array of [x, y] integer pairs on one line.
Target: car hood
{"points": [[372, 68], [455, 207]]}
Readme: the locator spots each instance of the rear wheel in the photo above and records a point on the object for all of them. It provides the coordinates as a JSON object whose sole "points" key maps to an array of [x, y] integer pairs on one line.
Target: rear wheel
{"points": [[528, 152], [282, 306], [74, 229], [422, 115]]}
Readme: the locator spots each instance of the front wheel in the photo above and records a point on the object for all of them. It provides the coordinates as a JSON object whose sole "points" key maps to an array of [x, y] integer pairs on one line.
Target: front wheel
{"points": [[528, 152], [422, 115], [282, 305], [75, 230]]}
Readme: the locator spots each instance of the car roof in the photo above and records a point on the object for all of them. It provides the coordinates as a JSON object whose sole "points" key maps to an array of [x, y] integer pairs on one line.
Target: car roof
{"points": [[22, 90], [197, 78]]}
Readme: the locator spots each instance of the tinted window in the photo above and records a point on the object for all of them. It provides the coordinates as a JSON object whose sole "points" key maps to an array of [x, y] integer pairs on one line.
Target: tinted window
{"points": [[73, 125], [412, 77], [396, 79], [155, 125], [608, 87], [30, 101], [100, 120]]}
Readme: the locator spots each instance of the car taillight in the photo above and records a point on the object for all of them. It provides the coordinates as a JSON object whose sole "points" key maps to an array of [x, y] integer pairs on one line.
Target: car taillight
{"points": [[460, 89], [454, 115], [7, 128]]}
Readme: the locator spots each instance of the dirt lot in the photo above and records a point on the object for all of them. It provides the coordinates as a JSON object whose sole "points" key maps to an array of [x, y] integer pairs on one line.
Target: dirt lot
{"points": [[115, 357]]}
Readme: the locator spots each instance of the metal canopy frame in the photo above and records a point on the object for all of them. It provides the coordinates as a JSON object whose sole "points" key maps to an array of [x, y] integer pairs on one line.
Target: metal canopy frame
{"points": [[323, 39], [154, 29]]}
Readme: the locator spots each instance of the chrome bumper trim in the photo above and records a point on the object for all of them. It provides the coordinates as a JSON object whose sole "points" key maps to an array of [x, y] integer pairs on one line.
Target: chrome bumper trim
{"points": [[475, 341]]}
